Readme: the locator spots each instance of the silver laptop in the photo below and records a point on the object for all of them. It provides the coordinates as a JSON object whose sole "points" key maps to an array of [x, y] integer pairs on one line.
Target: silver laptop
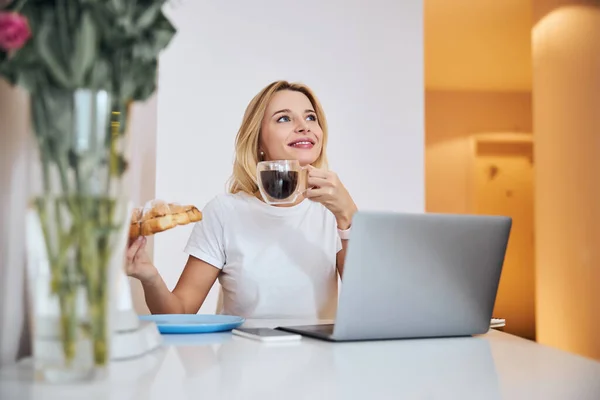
{"points": [[417, 276]]}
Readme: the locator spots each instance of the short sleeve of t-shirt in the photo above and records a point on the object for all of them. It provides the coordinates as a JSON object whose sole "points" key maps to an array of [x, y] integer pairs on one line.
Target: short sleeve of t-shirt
{"points": [[206, 239], [338, 240]]}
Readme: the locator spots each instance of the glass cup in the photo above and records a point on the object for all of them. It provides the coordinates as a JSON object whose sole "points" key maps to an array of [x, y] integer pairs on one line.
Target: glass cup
{"points": [[281, 181]]}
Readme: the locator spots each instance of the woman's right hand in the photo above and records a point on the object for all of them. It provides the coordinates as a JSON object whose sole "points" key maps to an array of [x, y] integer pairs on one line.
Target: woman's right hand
{"points": [[139, 264]]}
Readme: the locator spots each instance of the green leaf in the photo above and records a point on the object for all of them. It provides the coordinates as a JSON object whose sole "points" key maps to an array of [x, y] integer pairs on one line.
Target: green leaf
{"points": [[104, 25], [149, 47], [11, 76], [31, 79], [147, 76], [127, 88], [148, 16], [45, 46], [108, 45], [100, 76], [119, 6], [53, 118], [86, 48], [22, 68]]}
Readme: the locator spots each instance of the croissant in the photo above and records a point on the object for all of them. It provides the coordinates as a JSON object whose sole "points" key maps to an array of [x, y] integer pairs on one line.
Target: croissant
{"points": [[194, 215], [180, 213], [134, 230], [155, 225], [178, 209], [181, 219], [157, 210], [134, 227], [136, 215], [161, 216]]}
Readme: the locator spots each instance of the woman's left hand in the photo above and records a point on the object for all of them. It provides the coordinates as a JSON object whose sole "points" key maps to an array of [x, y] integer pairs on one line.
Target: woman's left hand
{"points": [[326, 188]]}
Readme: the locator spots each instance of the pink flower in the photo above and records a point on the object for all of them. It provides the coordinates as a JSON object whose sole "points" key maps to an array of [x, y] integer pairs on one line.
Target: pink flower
{"points": [[14, 31]]}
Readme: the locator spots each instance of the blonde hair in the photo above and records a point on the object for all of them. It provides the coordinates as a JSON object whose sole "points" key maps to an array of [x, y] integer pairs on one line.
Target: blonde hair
{"points": [[243, 178]]}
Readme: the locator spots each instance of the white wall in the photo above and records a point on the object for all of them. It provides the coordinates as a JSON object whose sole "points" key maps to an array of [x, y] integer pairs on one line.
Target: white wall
{"points": [[363, 59]]}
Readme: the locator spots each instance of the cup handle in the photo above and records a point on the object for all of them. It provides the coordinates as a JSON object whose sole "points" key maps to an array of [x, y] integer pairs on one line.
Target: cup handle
{"points": [[305, 180]]}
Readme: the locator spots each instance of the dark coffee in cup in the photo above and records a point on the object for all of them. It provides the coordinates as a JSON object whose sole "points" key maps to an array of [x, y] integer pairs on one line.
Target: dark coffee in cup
{"points": [[279, 184], [281, 181]]}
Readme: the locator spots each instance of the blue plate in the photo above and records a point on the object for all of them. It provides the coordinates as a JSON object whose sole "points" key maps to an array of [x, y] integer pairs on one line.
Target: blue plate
{"points": [[193, 323]]}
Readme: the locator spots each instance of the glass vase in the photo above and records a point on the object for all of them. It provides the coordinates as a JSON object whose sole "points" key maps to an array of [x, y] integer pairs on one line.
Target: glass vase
{"points": [[76, 230]]}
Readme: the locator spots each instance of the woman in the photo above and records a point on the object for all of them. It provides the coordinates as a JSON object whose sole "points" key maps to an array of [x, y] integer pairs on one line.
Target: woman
{"points": [[271, 261]]}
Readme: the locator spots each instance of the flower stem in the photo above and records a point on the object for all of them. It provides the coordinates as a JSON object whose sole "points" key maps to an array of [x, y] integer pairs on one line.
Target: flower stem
{"points": [[19, 5], [68, 322], [79, 220]]}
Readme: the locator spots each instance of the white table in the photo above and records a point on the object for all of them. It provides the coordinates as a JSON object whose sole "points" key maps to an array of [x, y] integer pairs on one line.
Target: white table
{"points": [[221, 366]]}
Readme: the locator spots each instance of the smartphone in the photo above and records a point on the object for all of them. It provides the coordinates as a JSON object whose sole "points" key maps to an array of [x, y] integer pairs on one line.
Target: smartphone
{"points": [[266, 334]]}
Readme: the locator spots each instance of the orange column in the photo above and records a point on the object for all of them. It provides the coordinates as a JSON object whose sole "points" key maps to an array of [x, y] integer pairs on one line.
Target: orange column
{"points": [[566, 120]]}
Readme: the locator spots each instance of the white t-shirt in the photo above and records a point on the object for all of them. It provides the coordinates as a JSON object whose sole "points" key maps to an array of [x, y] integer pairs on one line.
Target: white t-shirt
{"points": [[276, 262]]}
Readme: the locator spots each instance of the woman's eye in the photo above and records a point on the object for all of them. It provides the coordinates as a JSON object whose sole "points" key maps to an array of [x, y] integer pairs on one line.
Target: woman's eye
{"points": [[284, 118], [311, 117]]}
